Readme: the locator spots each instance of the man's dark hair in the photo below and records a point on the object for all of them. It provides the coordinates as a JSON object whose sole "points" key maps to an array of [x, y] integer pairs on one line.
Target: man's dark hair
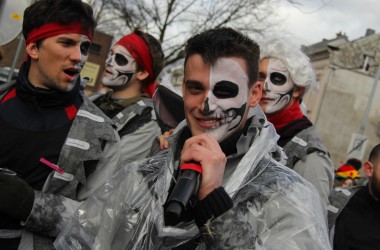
{"points": [[58, 11], [225, 42], [374, 156], [155, 52]]}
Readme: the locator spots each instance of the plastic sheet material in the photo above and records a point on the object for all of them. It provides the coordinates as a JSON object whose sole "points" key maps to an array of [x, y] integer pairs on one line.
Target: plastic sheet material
{"points": [[274, 208], [168, 105]]}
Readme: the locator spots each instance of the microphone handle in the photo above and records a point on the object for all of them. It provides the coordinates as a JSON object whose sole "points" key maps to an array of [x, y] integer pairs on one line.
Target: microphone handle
{"points": [[187, 185]]}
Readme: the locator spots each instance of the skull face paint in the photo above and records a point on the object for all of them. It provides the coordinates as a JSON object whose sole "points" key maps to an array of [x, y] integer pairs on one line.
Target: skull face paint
{"points": [[120, 67], [278, 86], [227, 98], [85, 44], [84, 47]]}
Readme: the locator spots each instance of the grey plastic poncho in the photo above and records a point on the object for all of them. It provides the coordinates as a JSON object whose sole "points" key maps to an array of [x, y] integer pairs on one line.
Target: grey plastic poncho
{"points": [[274, 208]]}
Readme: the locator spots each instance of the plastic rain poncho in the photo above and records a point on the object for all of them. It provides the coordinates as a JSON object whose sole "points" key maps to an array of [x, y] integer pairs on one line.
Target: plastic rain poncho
{"points": [[274, 208]]}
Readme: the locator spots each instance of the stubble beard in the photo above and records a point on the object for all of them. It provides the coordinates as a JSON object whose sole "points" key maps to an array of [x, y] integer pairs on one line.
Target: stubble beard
{"points": [[375, 188]]}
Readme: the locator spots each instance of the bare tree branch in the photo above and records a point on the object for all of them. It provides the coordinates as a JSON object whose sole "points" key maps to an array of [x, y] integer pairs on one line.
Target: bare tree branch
{"points": [[173, 21]]}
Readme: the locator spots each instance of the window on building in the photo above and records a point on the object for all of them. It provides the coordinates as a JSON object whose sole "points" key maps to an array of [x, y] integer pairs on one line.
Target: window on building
{"points": [[95, 49], [367, 62]]}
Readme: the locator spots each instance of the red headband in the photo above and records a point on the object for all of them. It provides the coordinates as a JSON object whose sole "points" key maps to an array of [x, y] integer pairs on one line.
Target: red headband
{"points": [[54, 29], [141, 53]]}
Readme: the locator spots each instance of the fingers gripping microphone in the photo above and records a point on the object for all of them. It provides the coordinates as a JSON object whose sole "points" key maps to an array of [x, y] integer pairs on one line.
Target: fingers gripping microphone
{"points": [[187, 185]]}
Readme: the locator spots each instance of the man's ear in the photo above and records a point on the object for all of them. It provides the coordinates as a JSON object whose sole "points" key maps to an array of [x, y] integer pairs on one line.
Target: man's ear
{"points": [[368, 168], [32, 50], [298, 91], [256, 92], [142, 75]]}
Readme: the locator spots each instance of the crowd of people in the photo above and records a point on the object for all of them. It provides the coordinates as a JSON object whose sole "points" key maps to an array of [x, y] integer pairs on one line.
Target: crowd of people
{"points": [[242, 168]]}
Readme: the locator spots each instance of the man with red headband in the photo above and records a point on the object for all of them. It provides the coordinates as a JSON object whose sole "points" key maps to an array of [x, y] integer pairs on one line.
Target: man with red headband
{"points": [[56, 146], [130, 72]]}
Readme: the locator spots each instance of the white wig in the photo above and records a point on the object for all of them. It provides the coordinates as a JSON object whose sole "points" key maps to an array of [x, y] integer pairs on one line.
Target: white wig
{"points": [[295, 60]]}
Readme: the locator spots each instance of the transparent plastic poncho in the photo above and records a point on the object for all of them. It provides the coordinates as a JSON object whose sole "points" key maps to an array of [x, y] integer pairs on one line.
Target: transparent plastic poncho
{"points": [[274, 208]]}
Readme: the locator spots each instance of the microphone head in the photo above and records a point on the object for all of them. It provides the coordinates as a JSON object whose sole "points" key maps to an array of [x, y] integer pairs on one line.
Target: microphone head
{"points": [[173, 213]]}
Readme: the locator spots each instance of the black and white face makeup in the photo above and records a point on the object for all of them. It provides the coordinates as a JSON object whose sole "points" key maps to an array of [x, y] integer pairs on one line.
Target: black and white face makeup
{"points": [[228, 97], [278, 86], [84, 52], [120, 67]]}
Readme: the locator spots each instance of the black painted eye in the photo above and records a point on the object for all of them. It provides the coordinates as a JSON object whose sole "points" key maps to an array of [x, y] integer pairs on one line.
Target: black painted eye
{"points": [[85, 48], [225, 89], [278, 78], [120, 59]]}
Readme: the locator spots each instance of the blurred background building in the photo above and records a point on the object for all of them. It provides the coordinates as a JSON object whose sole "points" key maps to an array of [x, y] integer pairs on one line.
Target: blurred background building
{"points": [[345, 110]]}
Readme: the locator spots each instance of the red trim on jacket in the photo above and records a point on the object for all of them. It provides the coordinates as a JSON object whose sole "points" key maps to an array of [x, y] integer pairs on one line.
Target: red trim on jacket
{"points": [[11, 94], [71, 111]]}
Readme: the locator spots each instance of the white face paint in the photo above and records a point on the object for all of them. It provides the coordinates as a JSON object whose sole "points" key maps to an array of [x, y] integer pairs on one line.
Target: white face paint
{"points": [[84, 47], [228, 97], [120, 67], [278, 86], [85, 44]]}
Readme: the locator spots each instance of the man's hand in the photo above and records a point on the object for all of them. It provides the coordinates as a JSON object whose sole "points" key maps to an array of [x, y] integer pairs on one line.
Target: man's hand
{"points": [[16, 197], [164, 144], [206, 150]]}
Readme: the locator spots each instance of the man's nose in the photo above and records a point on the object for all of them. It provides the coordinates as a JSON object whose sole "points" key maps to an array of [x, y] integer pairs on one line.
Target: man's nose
{"points": [[208, 106], [266, 86], [109, 60], [76, 54]]}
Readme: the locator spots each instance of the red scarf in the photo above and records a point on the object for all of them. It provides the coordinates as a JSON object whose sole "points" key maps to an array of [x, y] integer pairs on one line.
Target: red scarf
{"points": [[281, 119]]}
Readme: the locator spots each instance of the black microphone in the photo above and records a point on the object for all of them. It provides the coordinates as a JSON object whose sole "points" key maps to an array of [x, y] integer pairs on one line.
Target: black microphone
{"points": [[187, 185]]}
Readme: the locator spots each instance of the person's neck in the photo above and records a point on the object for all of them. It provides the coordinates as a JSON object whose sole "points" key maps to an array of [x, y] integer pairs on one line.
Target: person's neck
{"points": [[129, 91], [285, 116], [372, 193], [33, 77]]}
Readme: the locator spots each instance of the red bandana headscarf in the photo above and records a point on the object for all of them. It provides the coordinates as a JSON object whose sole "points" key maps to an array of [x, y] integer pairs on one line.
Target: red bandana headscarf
{"points": [[141, 53], [54, 29]]}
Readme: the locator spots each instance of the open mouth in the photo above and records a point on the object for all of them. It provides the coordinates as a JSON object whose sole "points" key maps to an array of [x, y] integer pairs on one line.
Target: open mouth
{"points": [[71, 72], [218, 120], [209, 123], [266, 99]]}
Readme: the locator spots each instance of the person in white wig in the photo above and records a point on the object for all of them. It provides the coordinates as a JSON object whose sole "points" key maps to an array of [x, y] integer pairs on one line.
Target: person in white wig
{"points": [[286, 75]]}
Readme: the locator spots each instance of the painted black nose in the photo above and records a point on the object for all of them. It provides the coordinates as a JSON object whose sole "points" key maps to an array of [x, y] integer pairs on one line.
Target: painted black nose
{"points": [[206, 108]]}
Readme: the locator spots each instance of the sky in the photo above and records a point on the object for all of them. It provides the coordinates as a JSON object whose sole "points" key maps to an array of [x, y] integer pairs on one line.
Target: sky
{"points": [[316, 20]]}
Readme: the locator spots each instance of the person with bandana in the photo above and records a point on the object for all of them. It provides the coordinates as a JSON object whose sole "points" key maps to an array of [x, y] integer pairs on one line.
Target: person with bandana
{"points": [[130, 72], [354, 218], [246, 198], [286, 75], [56, 146]]}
